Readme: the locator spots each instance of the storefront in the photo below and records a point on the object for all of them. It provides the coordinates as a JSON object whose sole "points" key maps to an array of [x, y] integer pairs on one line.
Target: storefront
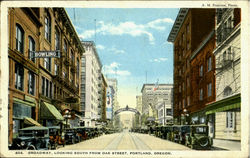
{"points": [[225, 117], [49, 115], [23, 114]]}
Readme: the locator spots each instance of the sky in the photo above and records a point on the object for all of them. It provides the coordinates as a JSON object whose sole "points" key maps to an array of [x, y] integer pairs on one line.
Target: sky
{"points": [[131, 43]]}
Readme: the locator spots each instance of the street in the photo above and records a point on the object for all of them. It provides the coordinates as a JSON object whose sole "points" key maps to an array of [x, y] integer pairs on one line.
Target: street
{"points": [[125, 141]]}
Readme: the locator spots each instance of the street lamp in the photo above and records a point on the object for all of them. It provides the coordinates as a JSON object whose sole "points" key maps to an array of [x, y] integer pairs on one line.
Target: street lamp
{"points": [[67, 115], [185, 114]]}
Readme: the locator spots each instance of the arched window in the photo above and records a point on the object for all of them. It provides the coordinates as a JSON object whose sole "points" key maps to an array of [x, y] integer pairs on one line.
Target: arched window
{"points": [[227, 91], [57, 40], [19, 38], [47, 24], [31, 48], [65, 48]]}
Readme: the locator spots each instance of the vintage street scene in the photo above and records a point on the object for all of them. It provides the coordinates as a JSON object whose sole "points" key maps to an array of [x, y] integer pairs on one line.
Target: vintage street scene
{"points": [[136, 79]]}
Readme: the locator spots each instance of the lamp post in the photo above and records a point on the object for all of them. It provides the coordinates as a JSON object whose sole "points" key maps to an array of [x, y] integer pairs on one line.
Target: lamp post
{"points": [[67, 116], [185, 113]]}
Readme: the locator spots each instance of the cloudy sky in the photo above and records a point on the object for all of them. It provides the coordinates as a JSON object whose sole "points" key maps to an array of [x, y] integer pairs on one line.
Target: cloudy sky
{"points": [[132, 45]]}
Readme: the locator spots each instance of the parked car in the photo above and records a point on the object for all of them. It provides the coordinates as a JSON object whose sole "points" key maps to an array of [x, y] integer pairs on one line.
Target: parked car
{"points": [[55, 137], [198, 137], [71, 136], [175, 133], [82, 133], [31, 138], [184, 130]]}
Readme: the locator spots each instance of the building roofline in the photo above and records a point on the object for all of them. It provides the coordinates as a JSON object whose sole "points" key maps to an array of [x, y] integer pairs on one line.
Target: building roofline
{"points": [[177, 24], [64, 12], [152, 84], [92, 43], [202, 44]]}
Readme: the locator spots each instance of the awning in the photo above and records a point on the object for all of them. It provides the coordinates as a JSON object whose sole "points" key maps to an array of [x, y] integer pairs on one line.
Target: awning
{"points": [[30, 121], [19, 101], [229, 103], [49, 111]]}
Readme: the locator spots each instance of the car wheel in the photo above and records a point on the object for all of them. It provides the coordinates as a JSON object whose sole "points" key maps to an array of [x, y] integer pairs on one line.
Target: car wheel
{"points": [[31, 147]]}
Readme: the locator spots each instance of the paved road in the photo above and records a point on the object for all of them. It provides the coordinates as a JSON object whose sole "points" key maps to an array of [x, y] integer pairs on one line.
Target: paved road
{"points": [[125, 141]]}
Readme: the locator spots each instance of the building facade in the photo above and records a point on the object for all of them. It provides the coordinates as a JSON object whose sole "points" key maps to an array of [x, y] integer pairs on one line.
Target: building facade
{"points": [[35, 94], [189, 30], [114, 104], [202, 78], [151, 95], [91, 83], [225, 113]]}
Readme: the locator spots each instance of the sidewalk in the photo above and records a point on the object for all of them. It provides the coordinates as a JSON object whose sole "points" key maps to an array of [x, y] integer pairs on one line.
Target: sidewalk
{"points": [[227, 144]]}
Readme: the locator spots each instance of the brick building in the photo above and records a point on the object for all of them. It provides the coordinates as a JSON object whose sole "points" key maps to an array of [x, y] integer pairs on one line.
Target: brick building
{"points": [[40, 87], [189, 30]]}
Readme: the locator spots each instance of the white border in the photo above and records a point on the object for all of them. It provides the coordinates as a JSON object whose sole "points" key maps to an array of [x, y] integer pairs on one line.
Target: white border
{"points": [[245, 65]]}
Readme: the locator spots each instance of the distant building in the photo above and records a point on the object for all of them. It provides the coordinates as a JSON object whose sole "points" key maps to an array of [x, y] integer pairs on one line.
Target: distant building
{"points": [[91, 85], [112, 100], [151, 93]]}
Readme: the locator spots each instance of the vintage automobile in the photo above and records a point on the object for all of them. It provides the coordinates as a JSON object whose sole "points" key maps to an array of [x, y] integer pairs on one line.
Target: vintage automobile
{"points": [[198, 137], [71, 136], [183, 131], [82, 133], [31, 138], [55, 137], [175, 137]]}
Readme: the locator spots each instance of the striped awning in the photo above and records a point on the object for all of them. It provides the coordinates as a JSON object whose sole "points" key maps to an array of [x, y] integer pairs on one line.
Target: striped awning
{"points": [[226, 104], [49, 111], [30, 121]]}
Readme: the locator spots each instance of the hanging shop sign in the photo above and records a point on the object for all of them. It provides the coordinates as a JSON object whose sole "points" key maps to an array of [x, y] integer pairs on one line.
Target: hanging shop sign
{"points": [[45, 54]]}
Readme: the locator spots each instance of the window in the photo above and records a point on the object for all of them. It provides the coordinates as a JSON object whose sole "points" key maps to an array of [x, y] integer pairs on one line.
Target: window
{"points": [[169, 112], [184, 103], [43, 85], [227, 91], [201, 94], [19, 75], [230, 124], [65, 47], [209, 64], [31, 48], [19, 38], [21, 110], [47, 24], [31, 83], [78, 68], [188, 82], [56, 69], [47, 88], [201, 70], [50, 89], [57, 40], [72, 57], [47, 63], [209, 89], [64, 74]]}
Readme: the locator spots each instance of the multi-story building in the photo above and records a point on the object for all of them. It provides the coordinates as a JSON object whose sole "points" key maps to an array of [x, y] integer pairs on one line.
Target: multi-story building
{"points": [[190, 29], [91, 80], [151, 94], [225, 113], [39, 90], [164, 107], [103, 98], [137, 118], [114, 104]]}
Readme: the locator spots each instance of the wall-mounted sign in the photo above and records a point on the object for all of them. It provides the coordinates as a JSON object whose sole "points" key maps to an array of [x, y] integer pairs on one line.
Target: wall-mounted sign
{"points": [[45, 54]]}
